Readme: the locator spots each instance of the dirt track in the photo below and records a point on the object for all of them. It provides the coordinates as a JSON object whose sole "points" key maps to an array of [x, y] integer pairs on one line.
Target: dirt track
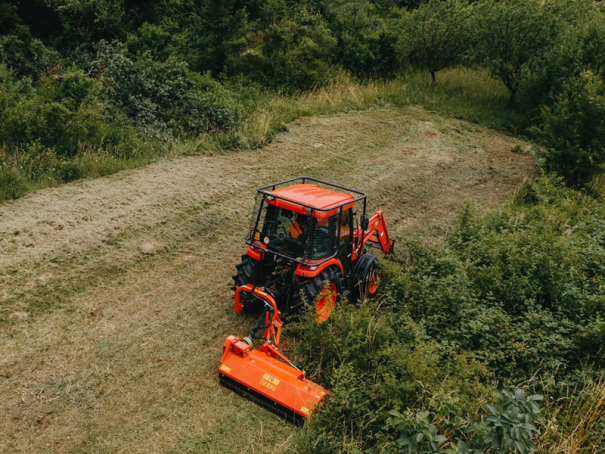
{"points": [[114, 297]]}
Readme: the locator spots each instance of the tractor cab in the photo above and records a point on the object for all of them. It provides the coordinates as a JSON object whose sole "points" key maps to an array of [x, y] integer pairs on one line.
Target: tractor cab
{"points": [[305, 223]]}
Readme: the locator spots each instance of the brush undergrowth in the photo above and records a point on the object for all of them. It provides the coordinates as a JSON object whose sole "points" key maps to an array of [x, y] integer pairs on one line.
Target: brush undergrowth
{"points": [[512, 300], [463, 93]]}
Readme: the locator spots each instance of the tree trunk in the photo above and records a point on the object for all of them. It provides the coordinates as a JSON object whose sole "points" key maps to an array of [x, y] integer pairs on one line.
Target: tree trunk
{"points": [[432, 78], [511, 100]]}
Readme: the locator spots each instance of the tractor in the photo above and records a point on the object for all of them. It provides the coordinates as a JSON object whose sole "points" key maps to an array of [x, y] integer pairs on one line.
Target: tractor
{"points": [[307, 244]]}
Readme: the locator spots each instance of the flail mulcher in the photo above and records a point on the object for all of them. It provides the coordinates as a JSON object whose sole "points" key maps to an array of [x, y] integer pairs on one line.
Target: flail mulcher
{"points": [[306, 245]]}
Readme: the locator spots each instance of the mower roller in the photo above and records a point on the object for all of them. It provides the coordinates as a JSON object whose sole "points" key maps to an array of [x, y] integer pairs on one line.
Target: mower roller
{"points": [[306, 245]]}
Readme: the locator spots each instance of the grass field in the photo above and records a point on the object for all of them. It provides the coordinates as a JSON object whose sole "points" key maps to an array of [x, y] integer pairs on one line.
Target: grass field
{"points": [[115, 299]]}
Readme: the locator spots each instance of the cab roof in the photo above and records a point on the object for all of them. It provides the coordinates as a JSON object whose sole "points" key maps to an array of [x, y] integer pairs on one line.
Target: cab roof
{"points": [[313, 196]]}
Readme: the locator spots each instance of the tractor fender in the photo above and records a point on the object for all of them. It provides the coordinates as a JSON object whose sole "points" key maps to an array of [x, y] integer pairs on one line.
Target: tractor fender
{"points": [[314, 270], [256, 252]]}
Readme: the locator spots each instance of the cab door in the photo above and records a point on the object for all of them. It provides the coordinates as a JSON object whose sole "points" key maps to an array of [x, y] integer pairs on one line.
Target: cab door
{"points": [[346, 246]]}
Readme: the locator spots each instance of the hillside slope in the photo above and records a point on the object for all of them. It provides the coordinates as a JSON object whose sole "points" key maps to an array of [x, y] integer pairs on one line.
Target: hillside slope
{"points": [[114, 293]]}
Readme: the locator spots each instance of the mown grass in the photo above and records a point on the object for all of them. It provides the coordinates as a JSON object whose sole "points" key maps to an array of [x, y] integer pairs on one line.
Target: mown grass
{"points": [[462, 93]]}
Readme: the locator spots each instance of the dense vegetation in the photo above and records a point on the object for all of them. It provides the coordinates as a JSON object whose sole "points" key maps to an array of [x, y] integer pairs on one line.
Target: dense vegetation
{"points": [[514, 299], [511, 300], [91, 87]]}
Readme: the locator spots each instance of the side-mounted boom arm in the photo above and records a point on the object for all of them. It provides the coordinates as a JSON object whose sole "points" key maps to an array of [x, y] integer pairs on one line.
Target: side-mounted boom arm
{"points": [[373, 230]]}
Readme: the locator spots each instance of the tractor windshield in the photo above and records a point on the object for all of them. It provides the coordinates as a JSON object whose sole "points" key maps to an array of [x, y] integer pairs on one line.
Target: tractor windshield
{"points": [[286, 231]]}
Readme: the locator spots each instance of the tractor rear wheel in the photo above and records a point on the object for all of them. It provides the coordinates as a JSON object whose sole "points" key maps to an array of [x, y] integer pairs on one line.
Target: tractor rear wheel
{"points": [[321, 292], [249, 271]]}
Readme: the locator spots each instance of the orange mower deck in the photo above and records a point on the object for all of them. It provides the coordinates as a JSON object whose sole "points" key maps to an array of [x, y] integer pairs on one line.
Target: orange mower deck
{"points": [[275, 385]]}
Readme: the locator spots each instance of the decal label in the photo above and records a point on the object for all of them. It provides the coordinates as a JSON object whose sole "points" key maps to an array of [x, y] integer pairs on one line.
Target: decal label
{"points": [[269, 382], [225, 368]]}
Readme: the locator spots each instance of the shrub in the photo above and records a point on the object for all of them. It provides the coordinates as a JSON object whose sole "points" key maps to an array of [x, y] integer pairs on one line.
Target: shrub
{"points": [[508, 428], [573, 130], [516, 295], [580, 29], [366, 41], [163, 98], [12, 185], [519, 289], [372, 359], [291, 53]]}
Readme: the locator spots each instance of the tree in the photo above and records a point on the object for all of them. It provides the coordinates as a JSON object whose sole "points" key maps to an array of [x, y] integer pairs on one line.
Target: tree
{"points": [[367, 45], [439, 34], [513, 32], [578, 46], [289, 53]]}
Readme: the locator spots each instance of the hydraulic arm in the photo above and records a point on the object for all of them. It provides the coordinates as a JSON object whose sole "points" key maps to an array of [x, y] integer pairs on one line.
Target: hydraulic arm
{"points": [[374, 231]]}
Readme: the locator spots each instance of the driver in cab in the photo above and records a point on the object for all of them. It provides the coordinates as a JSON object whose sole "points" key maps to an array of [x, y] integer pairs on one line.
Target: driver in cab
{"points": [[299, 226]]}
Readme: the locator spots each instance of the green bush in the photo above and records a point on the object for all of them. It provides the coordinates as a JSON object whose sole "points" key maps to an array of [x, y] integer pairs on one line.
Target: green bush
{"points": [[62, 111], [291, 53], [366, 41], [573, 130], [507, 428], [22, 52], [372, 359], [516, 296], [12, 185], [580, 29], [162, 98], [519, 288]]}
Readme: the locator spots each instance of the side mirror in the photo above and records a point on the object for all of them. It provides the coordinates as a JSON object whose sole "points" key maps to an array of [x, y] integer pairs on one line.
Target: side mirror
{"points": [[365, 220]]}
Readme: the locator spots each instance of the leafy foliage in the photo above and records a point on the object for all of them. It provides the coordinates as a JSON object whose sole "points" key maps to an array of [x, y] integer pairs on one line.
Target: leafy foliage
{"points": [[292, 52], [372, 359], [168, 71], [513, 32], [162, 97], [62, 111], [573, 129], [516, 288], [507, 428], [515, 296]]}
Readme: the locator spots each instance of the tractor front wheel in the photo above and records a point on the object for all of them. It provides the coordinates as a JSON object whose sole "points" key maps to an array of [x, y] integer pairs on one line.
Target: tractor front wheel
{"points": [[366, 277], [321, 292]]}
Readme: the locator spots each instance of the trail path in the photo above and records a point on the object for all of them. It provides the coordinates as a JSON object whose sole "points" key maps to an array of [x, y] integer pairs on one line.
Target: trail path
{"points": [[114, 292]]}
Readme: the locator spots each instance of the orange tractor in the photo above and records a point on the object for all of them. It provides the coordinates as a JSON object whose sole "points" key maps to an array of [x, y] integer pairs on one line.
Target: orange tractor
{"points": [[306, 245]]}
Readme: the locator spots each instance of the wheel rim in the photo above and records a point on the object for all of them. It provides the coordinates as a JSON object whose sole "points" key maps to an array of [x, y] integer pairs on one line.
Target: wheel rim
{"points": [[374, 281], [326, 302]]}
